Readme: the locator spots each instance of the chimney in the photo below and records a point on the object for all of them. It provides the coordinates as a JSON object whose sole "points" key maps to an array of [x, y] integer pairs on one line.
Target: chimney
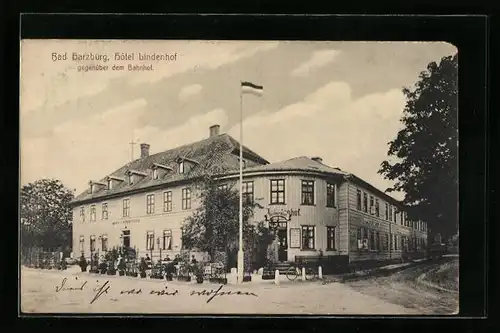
{"points": [[214, 130], [317, 159], [144, 150]]}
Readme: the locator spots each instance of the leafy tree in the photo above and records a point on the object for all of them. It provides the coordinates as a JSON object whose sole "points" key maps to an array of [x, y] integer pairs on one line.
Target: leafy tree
{"points": [[46, 217], [214, 226], [426, 148]]}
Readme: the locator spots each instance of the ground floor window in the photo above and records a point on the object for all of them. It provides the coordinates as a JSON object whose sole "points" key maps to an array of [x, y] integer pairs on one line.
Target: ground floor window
{"points": [[126, 238], [104, 241], [307, 237], [82, 243], [167, 239], [92, 243], [371, 243], [395, 242], [150, 240], [330, 238]]}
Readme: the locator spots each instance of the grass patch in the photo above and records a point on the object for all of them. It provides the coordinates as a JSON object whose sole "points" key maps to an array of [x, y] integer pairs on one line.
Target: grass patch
{"points": [[446, 276]]}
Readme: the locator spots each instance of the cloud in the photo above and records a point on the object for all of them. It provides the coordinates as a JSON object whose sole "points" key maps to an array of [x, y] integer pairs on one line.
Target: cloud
{"points": [[79, 151], [317, 60], [350, 134], [188, 91]]}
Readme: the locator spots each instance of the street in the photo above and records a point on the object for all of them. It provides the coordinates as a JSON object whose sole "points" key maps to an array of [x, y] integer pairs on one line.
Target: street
{"points": [[44, 291], [407, 289]]}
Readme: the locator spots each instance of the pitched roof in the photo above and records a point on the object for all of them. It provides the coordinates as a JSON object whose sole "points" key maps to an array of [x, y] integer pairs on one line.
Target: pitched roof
{"points": [[301, 163], [214, 155]]}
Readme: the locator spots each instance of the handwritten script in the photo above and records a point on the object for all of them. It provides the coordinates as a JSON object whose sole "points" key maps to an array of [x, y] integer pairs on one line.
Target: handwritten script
{"points": [[103, 288]]}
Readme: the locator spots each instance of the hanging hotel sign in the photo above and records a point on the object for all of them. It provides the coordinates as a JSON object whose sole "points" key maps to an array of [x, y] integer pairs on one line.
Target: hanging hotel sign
{"points": [[295, 238], [126, 221]]}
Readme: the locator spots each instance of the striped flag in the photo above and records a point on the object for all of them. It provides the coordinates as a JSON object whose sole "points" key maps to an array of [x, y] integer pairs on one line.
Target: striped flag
{"points": [[250, 88]]}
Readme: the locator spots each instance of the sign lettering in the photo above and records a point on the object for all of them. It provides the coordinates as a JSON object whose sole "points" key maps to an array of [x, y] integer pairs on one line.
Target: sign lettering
{"points": [[126, 221]]}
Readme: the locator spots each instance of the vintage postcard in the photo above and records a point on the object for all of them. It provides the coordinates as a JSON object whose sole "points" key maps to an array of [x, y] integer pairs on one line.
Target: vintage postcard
{"points": [[238, 177]]}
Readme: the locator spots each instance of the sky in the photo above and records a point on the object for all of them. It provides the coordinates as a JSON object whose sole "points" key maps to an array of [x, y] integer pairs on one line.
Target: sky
{"points": [[341, 101]]}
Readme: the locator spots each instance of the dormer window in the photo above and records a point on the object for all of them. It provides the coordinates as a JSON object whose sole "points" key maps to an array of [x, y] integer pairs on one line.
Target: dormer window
{"points": [[91, 188], [130, 179], [155, 173], [181, 167], [110, 184]]}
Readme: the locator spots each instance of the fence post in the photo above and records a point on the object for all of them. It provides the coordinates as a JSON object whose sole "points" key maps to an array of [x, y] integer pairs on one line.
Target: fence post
{"points": [[320, 272], [303, 273]]}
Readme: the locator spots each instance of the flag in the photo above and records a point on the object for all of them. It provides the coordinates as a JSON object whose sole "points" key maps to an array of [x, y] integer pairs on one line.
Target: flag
{"points": [[250, 88]]}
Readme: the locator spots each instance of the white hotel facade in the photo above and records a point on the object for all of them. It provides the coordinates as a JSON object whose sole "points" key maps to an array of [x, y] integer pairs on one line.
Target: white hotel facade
{"points": [[312, 206]]}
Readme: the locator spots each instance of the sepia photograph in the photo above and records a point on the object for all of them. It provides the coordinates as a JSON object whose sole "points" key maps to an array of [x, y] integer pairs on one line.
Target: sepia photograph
{"points": [[216, 177]]}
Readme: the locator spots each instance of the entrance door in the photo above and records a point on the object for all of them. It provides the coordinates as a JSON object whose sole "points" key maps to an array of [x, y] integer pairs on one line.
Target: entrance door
{"points": [[283, 245], [126, 238]]}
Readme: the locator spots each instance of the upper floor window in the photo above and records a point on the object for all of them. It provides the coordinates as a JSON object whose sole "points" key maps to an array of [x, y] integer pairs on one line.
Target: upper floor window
{"points": [[104, 211], [248, 192], [358, 199], [387, 212], [330, 195], [167, 201], [82, 214], [390, 213], [307, 237], [150, 203], [126, 207], [277, 191], [372, 205], [308, 192], [92, 213], [365, 202], [181, 167], [377, 208], [186, 198]]}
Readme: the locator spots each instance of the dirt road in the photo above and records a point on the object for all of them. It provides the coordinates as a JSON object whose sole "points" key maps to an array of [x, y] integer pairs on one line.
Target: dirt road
{"points": [[403, 288]]}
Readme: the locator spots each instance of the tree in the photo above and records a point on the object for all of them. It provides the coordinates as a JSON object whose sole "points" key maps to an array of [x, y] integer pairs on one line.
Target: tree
{"points": [[46, 217], [426, 148], [214, 226]]}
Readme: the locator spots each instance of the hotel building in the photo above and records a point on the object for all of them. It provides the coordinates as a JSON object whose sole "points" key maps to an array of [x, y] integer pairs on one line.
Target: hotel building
{"points": [[310, 206]]}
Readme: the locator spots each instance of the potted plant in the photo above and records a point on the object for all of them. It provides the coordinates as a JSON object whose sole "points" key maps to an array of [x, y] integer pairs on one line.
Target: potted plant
{"points": [[143, 266], [82, 263], [121, 267], [183, 274], [199, 270]]}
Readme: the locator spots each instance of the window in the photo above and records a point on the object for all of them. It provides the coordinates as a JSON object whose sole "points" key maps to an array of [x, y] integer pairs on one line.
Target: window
{"points": [[387, 242], [308, 192], [167, 239], [395, 242], [395, 216], [150, 204], [365, 202], [110, 184], [130, 179], [92, 213], [377, 241], [390, 242], [167, 201], [104, 242], [330, 238], [390, 213], [155, 173], [330, 195], [181, 167], [248, 192], [126, 207], [358, 200], [104, 211], [244, 163], [277, 191], [362, 239], [82, 243], [387, 212], [150, 240], [92, 243], [377, 208], [82, 214], [372, 207], [186, 198], [307, 237]]}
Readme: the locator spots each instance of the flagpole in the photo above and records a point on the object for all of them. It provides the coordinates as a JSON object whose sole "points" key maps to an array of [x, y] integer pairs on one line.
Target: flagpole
{"points": [[240, 251]]}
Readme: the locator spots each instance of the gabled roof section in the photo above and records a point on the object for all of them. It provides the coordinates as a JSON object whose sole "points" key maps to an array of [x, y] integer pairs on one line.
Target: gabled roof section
{"points": [[213, 155], [301, 163]]}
